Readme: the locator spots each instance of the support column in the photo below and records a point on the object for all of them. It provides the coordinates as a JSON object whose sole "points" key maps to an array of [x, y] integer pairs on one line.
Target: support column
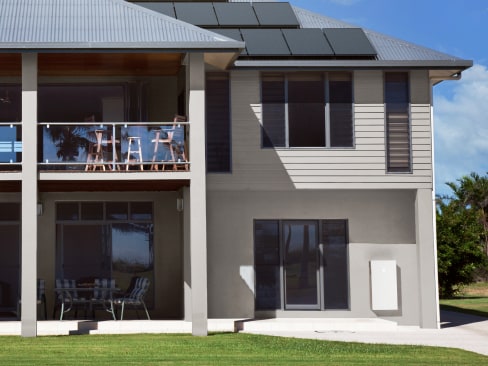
{"points": [[29, 196], [426, 254], [195, 78], [186, 256]]}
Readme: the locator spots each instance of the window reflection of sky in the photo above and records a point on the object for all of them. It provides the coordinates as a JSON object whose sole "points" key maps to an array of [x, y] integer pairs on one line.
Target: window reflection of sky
{"points": [[8, 148], [131, 243]]}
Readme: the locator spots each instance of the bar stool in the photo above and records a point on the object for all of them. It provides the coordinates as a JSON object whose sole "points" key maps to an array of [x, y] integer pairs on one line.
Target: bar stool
{"points": [[166, 141], [110, 150], [94, 157], [137, 152]]}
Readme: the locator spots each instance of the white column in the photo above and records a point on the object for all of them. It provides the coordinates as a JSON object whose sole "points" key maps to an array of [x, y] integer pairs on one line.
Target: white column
{"points": [[198, 222], [427, 266], [29, 196], [186, 255]]}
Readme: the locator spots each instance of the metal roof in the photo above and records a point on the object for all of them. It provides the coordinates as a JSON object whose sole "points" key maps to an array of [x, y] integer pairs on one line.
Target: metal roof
{"points": [[388, 48], [99, 24]]}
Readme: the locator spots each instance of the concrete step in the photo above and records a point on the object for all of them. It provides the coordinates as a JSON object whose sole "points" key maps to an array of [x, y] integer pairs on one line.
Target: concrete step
{"points": [[315, 325]]}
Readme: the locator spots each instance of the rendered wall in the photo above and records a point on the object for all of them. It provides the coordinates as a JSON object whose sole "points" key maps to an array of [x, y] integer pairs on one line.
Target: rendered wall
{"points": [[381, 226]]}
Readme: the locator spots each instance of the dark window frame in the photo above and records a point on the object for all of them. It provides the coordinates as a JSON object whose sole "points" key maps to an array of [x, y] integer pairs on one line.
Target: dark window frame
{"points": [[212, 145], [398, 122], [279, 291], [275, 104], [107, 225]]}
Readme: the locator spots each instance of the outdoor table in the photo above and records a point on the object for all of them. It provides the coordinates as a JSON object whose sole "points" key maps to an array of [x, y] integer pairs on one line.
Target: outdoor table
{"points": [[85, 295]]}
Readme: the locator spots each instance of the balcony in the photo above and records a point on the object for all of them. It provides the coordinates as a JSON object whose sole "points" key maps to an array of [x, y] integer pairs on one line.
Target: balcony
{"points": [[113, 147]]}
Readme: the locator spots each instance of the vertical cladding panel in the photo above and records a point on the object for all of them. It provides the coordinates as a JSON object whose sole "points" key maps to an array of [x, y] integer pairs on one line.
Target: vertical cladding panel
{"points": [[420, 113], [420, 89], [368, 87], [421, 98]]}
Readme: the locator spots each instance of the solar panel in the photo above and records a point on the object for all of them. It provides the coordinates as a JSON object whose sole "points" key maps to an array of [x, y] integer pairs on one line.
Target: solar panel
{"points": [[231, 33], [163, 8], [235, 14], [349, 42], [265, 42], [276, 14], [201, 14], [307, 42]]}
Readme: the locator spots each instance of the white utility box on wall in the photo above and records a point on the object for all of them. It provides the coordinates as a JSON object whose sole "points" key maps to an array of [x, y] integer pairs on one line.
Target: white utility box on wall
{"points": [[384, 291]]}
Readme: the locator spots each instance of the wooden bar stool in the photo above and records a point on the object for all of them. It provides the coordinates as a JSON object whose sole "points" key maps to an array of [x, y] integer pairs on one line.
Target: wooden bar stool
{"points": [[94, 157], [165, 141], [137, 152]]}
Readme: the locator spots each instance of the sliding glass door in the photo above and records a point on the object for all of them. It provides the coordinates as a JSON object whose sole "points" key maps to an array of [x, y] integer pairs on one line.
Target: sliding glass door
{"points": [[105, 240], [301, 265]]}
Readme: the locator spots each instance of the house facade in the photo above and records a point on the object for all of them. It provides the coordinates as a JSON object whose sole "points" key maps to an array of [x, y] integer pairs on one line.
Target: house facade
{"points": [[300, 182]]}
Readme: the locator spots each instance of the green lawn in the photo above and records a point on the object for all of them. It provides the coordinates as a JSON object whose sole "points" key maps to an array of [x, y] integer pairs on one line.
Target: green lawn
{"points": [[472, 299], [218, 349]]}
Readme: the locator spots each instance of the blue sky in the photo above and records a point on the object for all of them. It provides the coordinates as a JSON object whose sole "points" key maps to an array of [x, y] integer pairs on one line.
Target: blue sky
{"points": [[459, 28]]}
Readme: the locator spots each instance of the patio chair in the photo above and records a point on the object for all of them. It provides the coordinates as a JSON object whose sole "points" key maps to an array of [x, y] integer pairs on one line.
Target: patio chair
{"points": [[102, 295], [134, 296], [67, 298]]}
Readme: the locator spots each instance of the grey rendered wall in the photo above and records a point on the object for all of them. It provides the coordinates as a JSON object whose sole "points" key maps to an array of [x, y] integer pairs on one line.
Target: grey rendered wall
{"points": [[381, 226]]}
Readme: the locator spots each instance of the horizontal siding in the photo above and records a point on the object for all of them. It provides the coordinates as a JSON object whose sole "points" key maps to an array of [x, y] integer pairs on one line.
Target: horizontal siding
{"points": [[363, 166]]}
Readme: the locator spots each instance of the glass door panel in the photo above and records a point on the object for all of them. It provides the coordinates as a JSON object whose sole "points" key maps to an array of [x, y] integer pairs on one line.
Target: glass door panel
{"points": [[85, 252], [301, 265], [132, 253], [9, 266]]}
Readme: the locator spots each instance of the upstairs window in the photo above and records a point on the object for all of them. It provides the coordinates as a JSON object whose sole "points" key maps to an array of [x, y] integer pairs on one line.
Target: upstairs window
{"points": [[218, 132], [307, 110], [398, 141]]}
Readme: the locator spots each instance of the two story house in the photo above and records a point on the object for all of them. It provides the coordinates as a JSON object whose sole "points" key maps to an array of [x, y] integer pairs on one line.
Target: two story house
{"points": [[250, 159]]}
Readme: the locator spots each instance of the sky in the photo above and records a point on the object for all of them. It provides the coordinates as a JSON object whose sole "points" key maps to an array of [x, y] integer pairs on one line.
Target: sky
{"points": [[455, 27]]}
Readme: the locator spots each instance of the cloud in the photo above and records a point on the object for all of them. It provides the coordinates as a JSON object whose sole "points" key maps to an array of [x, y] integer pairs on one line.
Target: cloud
{"points": [[461, 128]]}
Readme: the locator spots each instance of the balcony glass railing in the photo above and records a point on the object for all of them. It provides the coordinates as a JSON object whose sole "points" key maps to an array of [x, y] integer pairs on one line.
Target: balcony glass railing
{"points": [[113, 147], [10, 145]]}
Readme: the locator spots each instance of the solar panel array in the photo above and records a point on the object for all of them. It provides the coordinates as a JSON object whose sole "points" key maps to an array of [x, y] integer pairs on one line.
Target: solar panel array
{"points": [[268, 29], [343, 42], [235, 15]]}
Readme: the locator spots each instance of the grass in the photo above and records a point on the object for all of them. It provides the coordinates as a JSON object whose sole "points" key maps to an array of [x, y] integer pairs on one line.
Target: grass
{"points": [[218, 349], [472, 299]]}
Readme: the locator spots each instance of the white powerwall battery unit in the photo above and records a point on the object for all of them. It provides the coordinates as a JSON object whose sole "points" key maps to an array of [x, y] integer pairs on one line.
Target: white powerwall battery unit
{"points": [[384, 291]]}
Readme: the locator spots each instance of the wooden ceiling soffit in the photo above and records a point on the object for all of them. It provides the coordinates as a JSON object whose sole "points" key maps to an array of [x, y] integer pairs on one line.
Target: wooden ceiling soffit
{"points": [[97, 64], [112, 186]]}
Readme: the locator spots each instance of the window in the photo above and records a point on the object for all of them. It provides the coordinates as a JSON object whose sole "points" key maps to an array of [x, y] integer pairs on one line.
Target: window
{"points": [[105, 240], [301, 264], [9, 257], [217, 99], [307, 110], [397, 102]]}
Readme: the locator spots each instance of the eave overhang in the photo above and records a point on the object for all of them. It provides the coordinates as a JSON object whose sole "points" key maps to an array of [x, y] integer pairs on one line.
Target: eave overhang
{"points": [[353, 64], [104, 26]]}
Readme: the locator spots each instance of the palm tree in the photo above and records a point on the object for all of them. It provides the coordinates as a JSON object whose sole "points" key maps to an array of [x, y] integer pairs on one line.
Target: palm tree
{"points": [[472, 192], [68, 141]]}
